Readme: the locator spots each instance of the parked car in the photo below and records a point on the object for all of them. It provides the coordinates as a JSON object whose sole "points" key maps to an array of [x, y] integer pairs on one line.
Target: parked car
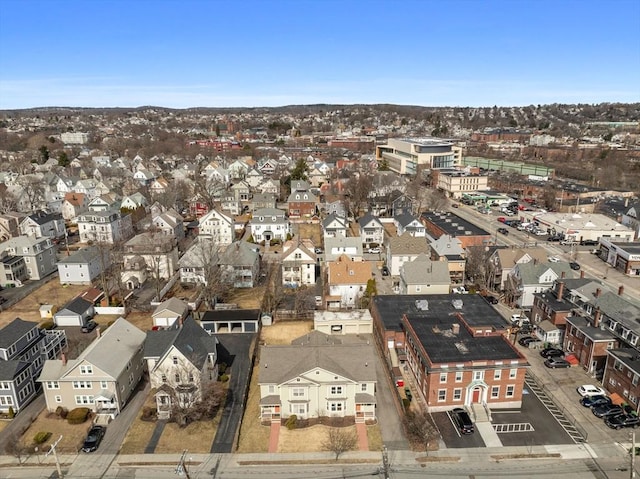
{"points": [[554, 259], [502, 219], [568, 242], [407, 393], [374, 250], [385, 271], [589, 242], [622, 420], [3, 299], [503, 231], [554, 238], [462, 421], [605, 410], [89, 326], [519, 318], [318, 251], [596, 400], [94, 437], [591, 390], [459, 290], [526, 340], [551, 353], [555, 363], [454, 205], [574, 266], [491, 299]]}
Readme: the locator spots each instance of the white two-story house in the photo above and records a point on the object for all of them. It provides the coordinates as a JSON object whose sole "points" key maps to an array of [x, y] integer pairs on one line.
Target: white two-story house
{"points": [[269, 224]]}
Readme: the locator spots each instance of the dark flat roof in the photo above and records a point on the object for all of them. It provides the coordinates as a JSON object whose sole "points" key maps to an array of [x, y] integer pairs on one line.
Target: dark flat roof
{"points": [[475, 310], [231, 315], [453, 225], [442, 346], [631, 247]]}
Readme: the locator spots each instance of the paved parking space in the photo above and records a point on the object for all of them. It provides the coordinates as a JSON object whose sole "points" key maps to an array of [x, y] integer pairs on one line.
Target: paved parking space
{"points": [[450, 434]]}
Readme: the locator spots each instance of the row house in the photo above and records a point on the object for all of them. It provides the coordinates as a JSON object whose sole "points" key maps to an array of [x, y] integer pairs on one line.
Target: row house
{"points": [[24, 348], [334, 225]]}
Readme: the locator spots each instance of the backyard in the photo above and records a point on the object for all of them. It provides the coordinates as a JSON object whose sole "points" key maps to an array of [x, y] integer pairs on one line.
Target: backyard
{"points": [[73, 435]]}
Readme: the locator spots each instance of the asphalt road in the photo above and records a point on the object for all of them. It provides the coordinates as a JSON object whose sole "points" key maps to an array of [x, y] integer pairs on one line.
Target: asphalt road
{"points": [[234, 351]]}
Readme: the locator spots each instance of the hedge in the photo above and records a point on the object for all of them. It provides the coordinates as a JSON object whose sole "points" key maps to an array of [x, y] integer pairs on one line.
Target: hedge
{"points": [[78, 415], [41, 437]]}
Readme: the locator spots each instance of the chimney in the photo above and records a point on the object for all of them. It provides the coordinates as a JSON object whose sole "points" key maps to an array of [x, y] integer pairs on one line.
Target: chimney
{"points": [[560, 290], [620, 290], [597, 293], [63, 357], [596, 318], [582, 273], [455, 328], [562, 275]]}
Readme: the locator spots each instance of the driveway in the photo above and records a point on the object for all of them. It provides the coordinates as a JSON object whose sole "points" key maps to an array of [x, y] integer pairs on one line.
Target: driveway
{"points": [[234, 351]]}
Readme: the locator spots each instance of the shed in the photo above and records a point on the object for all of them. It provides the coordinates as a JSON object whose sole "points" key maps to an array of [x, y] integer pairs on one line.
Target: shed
{"points": [[548, 332], [46, 311]]}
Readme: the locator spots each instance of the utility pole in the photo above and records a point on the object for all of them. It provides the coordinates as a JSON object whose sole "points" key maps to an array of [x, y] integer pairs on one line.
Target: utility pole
{"points": [[385, 462], [632, 471], [55, 456], [182, 467]]}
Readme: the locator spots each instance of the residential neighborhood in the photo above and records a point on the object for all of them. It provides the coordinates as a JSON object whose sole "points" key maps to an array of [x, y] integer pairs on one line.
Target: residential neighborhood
{"points": [[261, 291]]}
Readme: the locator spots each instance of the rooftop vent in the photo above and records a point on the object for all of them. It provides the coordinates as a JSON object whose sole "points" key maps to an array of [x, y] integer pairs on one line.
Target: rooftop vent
{"points": [[462, 348], [457, 303], [422, 305]]}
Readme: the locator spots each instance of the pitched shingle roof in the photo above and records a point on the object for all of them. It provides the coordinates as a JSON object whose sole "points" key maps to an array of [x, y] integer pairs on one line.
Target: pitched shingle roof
{"points": [[14, 331]]}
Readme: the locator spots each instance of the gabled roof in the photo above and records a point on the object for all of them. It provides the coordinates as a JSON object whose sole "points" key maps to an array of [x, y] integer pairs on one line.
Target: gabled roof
{"points": [[619, 309], [14, 331], [369, 218], [42, 217], [405, 219], [77, 305], [354, 361], [110, 352], [75, 199], [509, 257], [173, 305], [191, 340], [239, 253], [448, 246], [302, 196], [530, 272], [288, 254], [424, 271], [326, 223], [407, 244], [82, 256]]}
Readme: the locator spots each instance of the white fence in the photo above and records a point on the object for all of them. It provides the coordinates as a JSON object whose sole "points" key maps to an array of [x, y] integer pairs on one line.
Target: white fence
{"points": [[110, 310]]}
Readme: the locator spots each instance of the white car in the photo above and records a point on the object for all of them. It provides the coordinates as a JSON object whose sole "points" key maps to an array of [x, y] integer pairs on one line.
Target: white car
{"points": [[374, 250], [554, 259], [591, 390], [519, 318], [460, 290]]}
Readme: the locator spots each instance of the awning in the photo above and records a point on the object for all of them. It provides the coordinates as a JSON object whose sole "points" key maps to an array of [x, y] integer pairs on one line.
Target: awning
{"points": [[617, 399]]}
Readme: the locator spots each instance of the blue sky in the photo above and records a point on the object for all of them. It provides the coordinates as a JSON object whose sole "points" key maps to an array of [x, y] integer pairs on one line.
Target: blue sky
{"points": [[184, 53]]}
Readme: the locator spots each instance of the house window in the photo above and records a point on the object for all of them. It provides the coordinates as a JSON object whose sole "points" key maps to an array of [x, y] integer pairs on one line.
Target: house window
{"points": [[103, 385], [82, 385], [298, 409], [175, 360], [58, 399], [335, 390], [495, 392], [6, 401], [513, 373], [457, 394], [86, 369], [335, 406], [164, 378], [297, 392], [53, 385], [458, 376], [443, 378], [177, 378], [510, 391], [363, 387], [634, 381], [442, 395], [497, 373], [272, 389], [80, 400], [191, 377], [478, 375]]}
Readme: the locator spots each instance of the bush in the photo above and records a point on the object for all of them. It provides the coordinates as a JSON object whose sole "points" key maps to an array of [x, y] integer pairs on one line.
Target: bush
{"points": [[406, 403], [149, 413], [224, 378], [62, 412], [11, 412], [250, 239], [41, 437], [222, 368], [78, 415], [291, 422], [47, 325]]}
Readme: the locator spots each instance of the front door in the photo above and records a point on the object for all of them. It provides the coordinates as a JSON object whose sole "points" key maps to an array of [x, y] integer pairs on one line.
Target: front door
{"points": [[476, 395]]}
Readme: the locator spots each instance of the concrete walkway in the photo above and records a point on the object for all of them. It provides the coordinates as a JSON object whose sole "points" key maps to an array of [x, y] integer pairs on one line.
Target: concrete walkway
{"points": [[274, 437], [155, 437], [363, 440]]}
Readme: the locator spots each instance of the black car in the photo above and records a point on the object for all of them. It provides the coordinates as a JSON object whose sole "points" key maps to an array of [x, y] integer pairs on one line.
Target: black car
{"points": [[89, 326], [605, 410], [462, 421], [504, 231], [594, 401], [491, 299], [526, 340], [589, 242], [574, 266], [622, 420], [385, 271], [554, 238], [555, 363], [551, 353], [94, 437]]}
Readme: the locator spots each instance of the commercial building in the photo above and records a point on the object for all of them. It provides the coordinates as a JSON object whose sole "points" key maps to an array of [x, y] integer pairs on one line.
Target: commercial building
{"points": [[406, 155]]}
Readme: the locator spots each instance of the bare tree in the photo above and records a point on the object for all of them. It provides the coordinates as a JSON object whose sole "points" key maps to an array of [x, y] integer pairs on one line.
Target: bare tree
{"points": [[190, 405], [339, 441], [14, 448], [304, 300], [34, 191], [7, 200], [477, 266], [357, 191], [274, 295], [420, 428], [204, 255]]}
